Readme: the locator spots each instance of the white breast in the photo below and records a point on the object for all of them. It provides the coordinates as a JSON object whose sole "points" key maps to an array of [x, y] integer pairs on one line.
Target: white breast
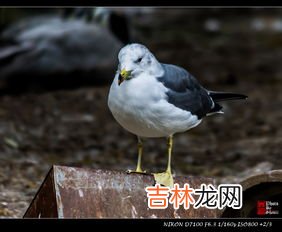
{"points": [[140, 106]]}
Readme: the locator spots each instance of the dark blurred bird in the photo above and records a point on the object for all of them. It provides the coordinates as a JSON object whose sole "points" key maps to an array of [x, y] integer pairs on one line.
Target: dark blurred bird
{"points": [[60, 51], [115, 20]]}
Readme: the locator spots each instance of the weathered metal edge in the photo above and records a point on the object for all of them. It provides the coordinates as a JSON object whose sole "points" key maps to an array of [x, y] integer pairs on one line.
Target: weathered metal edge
{"points": [[32, 203], [270, 176]]}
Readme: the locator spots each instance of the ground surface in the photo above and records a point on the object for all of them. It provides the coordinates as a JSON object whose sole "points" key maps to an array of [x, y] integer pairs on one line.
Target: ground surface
{"points": [[75, 128]]}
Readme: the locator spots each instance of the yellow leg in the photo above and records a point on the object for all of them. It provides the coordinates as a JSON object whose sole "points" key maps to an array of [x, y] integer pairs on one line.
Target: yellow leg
{"points": [[165, 178], [140, 152], [169, 151]]}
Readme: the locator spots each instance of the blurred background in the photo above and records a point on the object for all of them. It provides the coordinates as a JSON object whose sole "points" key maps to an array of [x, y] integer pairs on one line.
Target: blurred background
{"points": [[56, 66]]}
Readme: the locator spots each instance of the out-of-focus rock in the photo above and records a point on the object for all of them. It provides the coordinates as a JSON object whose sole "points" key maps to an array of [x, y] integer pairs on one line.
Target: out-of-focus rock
{"points": [[272, 24], [212, 25]]}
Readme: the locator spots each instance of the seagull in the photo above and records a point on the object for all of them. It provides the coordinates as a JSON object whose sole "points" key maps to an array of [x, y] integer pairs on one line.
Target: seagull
{"points": [[152, 99]]}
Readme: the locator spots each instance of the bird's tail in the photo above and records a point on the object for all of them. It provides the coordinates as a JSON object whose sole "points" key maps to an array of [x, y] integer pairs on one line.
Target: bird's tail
{"points": [[225, 96]]}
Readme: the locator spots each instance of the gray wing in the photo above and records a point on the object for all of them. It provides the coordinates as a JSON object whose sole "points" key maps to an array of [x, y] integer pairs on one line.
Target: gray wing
{"points": [[185, 92]]}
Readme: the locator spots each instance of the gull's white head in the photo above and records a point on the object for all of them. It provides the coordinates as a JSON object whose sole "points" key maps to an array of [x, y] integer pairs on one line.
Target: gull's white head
{"points": [[135, 59]]}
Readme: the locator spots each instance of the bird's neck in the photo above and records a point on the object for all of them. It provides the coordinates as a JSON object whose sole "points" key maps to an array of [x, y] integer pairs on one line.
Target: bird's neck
{"points": [[156, 69]]}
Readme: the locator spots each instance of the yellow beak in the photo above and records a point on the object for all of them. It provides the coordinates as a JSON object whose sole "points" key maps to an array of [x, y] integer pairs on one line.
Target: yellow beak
{"points": [[123, 75]]}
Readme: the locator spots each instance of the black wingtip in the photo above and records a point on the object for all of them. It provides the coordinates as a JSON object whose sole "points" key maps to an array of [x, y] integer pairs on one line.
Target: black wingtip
{"points": [[224, 96]]}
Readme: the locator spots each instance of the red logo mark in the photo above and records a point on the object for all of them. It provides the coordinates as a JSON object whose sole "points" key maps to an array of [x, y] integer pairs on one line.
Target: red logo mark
{"points": [[261, 207]]}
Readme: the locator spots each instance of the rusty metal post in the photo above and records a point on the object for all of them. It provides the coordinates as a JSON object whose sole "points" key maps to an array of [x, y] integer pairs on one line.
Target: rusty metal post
{"points": [[69, 192]]}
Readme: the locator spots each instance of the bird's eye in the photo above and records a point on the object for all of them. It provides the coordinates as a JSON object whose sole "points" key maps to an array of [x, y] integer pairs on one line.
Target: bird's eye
{"points": [[139, 60]]}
